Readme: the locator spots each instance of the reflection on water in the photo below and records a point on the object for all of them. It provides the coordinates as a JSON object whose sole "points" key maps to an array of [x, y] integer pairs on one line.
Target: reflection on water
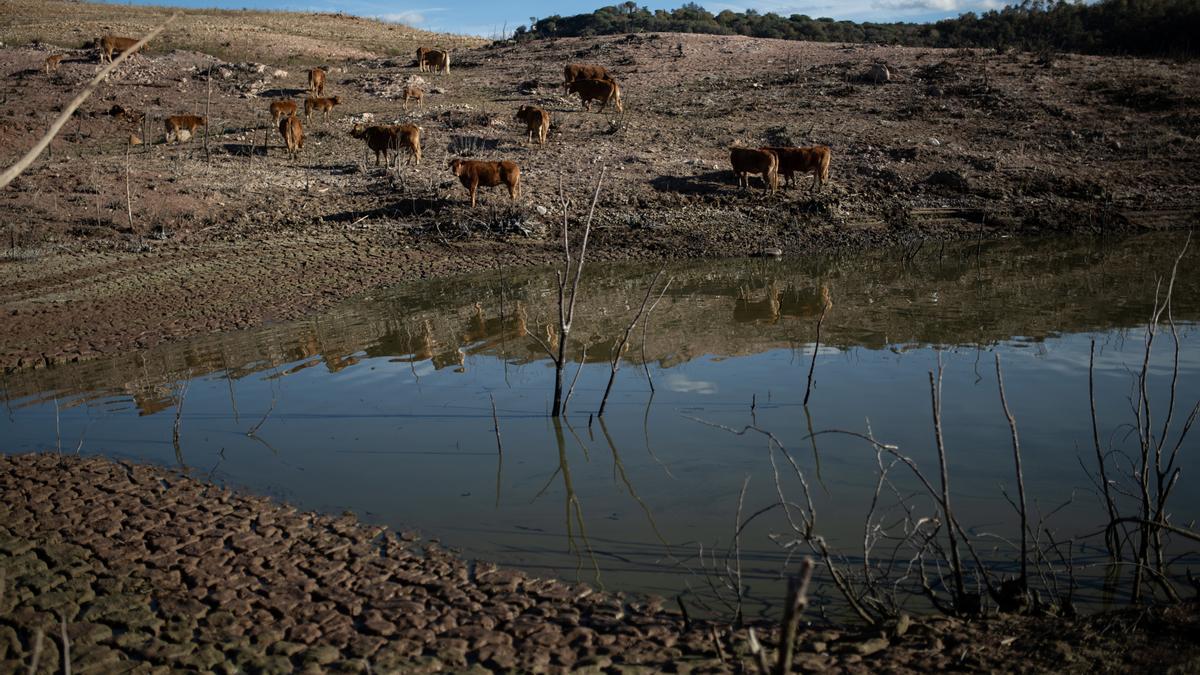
{"points": [[384, 405]]}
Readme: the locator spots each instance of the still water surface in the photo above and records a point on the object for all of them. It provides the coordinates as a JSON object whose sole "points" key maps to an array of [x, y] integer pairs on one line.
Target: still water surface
{"points": [[383, 406]]}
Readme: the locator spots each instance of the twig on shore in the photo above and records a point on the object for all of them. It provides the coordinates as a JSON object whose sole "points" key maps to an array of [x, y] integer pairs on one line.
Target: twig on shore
{"points": [[687, 619], [797, 602], [760, 655]]}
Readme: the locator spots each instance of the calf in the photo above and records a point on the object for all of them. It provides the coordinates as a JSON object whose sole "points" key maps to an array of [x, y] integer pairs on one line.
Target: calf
{"points": [[179, 123], [52, 62], [599, 90], [473, 173], [109, 44], [746, 161], [813, 159], [322, 105], [382, 139], [436, 59], [413, 93], [281, 109], [316, 81], [536, 120], [293, 134], [580, 71]]}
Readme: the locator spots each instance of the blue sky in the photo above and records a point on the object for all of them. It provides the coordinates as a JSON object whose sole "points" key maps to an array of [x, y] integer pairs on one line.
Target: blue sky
{"points": [[488, 18]]}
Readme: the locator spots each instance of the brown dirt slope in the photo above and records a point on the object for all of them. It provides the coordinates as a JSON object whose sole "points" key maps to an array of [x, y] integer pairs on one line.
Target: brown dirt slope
{"points": [[235, 35], [110, 247]]}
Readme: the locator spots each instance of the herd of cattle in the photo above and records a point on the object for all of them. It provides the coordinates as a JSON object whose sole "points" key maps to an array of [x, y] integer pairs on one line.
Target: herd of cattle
{"points": [[590, 82]]}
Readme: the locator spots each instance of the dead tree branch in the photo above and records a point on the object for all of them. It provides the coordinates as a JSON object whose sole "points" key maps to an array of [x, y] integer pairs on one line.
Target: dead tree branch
{"points": [[22, 164]]}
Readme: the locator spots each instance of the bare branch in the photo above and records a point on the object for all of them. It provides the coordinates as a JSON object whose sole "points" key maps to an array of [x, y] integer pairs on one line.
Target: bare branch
{"points": [[22, 164]]}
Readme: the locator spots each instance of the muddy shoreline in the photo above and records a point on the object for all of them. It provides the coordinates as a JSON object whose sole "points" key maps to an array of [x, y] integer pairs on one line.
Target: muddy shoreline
{"points": [[110, 247], [72, 306], [151, 570]]}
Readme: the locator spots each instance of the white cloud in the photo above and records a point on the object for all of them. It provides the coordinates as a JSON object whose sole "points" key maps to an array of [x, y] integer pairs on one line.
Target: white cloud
{"points": [[938, 5], [683, 384], [411, 17]]}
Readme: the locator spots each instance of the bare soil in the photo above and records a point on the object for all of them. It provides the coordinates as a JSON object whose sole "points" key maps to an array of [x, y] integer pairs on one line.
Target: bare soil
{"points": [[112, 247]]}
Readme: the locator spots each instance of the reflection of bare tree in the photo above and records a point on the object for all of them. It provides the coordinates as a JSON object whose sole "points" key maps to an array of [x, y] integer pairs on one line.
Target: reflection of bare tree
{"points": [[646, 437], [574, 513], [619, 469]]}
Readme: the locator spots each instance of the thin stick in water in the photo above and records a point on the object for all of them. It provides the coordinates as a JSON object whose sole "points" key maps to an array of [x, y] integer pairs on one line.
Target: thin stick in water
{"points": [[826, 305], [1016, 443]]}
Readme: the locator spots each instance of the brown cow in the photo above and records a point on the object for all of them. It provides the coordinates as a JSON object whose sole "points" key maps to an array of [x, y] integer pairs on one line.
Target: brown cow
{"points": [[536, 120], [382, 139], [813, 159], [52, 62], [473, 173], [436, 59], [180, 123], [746, 161], [580, 71], [293, 134], [600, 90], [421, 52], [322, 105], [413, 93], [281, 109], [109, 44], [316, 81]]}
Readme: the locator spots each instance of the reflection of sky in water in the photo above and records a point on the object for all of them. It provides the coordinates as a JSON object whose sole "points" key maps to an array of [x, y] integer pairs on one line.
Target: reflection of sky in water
{"points": [[398, 431], [418, 449]]}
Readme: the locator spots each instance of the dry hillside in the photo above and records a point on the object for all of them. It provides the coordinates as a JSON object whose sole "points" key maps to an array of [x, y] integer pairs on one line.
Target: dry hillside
{"points": [[111, 246]]}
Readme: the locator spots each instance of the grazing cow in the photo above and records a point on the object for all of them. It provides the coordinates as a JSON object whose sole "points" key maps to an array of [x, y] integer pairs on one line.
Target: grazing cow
{"points": [[421, 52], [600, 90], [178, 124], [473, 173], [109, 44], [316, 81], [52, 62], [293, 134], [382, 139], [580, 71], [746, 161], [435, 60], [322, 105], [814, 159], [536, 120], [281, 109], [411, 92]]}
